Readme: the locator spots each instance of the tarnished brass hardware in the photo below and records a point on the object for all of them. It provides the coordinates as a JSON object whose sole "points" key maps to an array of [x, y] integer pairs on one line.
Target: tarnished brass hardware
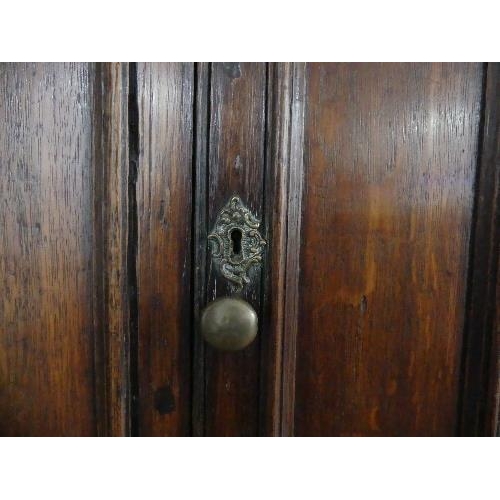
{"points": [[237, 245], [229, 324]]}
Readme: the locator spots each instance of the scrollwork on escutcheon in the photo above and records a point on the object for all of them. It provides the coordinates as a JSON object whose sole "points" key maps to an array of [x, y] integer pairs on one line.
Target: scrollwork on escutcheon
{"points": [[235, 263]]}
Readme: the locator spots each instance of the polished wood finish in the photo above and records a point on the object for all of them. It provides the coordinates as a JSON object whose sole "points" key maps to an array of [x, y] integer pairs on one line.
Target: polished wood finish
{"points": [[164, 248], [481, 383], [294, 222], [390, 163], [46, 250], [64, 317]]}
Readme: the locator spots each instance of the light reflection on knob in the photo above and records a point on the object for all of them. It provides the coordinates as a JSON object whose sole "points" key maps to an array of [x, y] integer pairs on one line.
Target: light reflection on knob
{"points": [[229, 324]]}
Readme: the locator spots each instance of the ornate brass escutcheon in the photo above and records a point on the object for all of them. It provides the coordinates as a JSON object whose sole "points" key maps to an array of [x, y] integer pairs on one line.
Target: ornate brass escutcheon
{"points": [[237, 245]]}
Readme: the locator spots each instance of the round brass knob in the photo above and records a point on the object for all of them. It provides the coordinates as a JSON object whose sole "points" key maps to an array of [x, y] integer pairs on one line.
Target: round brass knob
{"points": [[229, 324]]}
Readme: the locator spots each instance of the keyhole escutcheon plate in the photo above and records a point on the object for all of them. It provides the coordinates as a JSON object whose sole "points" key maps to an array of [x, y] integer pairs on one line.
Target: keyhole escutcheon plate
{"points": [[236, 242]]}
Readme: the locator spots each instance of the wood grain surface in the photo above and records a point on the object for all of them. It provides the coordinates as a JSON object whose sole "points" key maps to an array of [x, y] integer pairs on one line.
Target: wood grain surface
{"points": [[275, 226], [111, 240], [46, 250], [293, 216], [164, 248], [390, 163]]}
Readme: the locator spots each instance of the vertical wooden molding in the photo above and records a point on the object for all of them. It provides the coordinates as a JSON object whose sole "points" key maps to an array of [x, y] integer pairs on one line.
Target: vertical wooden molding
{"points": [[294, 216], [111, 309], [274, 225], [200, 169], [480, 389]]}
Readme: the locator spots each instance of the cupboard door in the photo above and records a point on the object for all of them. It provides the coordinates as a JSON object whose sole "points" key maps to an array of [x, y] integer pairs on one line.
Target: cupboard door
{"points": [[389, 164]]}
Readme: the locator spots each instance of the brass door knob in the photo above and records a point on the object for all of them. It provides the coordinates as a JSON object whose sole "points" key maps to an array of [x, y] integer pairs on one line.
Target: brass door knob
{"points": [[229, 324]]}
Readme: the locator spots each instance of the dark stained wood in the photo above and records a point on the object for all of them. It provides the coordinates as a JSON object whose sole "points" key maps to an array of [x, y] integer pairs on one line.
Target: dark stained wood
{"points": [[274, 260], [46, 250], [200, 228], [481, 384], [236, 166], [390, 161], [111, 304], [495, 365], [164, 248]]}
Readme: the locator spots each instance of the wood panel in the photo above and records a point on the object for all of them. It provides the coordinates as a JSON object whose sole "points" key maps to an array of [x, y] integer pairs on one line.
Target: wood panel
{"points": [[46, 250], [390, 159], [164, 248], [236, 165]]}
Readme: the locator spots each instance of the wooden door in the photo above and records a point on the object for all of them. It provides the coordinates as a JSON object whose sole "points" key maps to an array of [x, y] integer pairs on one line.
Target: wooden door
{"points": [[376, 189]]}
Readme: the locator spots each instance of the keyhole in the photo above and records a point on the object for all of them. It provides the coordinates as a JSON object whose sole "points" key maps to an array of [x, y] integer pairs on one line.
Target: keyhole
{"points": [[236, 239]]}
